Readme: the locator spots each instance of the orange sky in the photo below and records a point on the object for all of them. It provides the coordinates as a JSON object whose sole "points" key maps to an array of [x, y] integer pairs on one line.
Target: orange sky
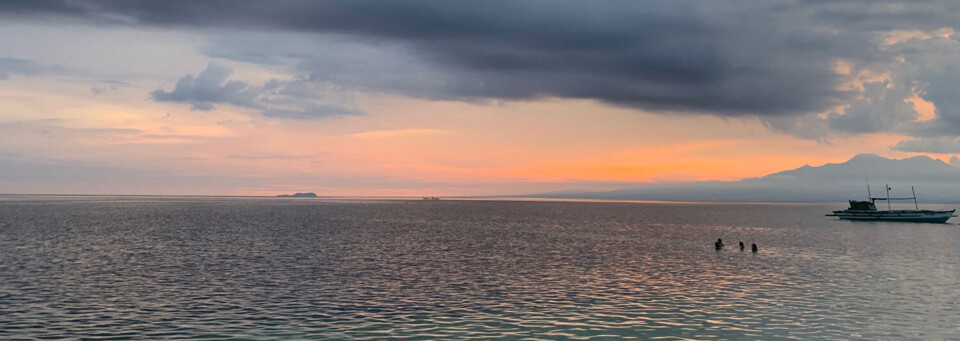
{"points": [[416, 147]]}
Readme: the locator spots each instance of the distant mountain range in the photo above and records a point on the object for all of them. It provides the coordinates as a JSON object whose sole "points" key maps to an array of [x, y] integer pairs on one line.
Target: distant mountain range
{"points": [[935, 182]]}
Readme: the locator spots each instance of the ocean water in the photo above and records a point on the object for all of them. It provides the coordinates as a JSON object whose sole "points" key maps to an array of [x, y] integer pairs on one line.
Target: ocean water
{"points": [[128, 267]]}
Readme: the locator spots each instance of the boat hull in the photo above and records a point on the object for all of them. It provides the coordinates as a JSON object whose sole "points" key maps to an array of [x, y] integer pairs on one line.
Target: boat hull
{"points": [[904, 216]]}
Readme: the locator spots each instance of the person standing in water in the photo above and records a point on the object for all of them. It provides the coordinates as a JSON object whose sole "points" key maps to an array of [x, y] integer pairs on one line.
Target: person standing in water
{"points": [[741, 245], [753, 248], [718, 244]]}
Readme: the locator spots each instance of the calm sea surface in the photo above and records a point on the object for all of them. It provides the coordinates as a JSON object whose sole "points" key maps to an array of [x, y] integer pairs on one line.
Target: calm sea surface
{"points": [[104, 267]]}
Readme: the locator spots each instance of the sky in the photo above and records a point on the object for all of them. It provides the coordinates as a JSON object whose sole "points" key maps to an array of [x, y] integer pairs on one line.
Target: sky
{"points": [[451, 98]]}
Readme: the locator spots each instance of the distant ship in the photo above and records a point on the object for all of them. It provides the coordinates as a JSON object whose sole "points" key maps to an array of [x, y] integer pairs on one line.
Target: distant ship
{"points": [[867, 210], [431, 198]]}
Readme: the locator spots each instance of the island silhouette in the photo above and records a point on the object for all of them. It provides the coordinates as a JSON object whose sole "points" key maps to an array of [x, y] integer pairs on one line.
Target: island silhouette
{"points": [[299, 195]]}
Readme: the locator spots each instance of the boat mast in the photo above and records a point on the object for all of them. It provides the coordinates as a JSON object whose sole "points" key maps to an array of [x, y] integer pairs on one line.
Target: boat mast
{"points": [[870, 196], [888, 195], [915, 198]]}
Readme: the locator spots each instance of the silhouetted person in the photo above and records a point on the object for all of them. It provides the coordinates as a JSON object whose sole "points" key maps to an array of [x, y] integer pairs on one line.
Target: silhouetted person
{"points": [[753, 248], [718, 244], [741, 245]]}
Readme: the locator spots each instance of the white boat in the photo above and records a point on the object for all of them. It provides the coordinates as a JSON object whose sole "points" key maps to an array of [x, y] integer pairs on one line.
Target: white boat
{"points": [[867, 210]]}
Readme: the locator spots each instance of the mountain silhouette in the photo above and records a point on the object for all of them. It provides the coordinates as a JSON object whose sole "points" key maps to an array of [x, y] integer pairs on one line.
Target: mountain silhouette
{"points": [[935, 182]]}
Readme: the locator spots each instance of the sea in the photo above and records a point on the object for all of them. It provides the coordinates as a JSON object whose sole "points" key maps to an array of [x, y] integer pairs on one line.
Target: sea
{"points": [[96, 267]]}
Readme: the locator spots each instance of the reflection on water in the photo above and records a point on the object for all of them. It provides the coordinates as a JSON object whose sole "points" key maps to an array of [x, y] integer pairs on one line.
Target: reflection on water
{"points": [[186, 267]]}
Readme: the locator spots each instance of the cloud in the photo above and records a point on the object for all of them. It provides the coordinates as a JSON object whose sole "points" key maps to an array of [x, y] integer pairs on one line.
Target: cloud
{"points": [[209, 87], [267, 156], [882, 107], [106, 86], [313, 112], [274, 99], [941, 86], [99, 90], [730, 58], [924, 66], [940, 145], [61, 129], [380, 134], [769, 59], [23, 67]]}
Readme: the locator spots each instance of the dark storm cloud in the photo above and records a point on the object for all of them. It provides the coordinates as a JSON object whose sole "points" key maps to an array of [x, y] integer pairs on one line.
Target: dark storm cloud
{"points": [[768, 58], [772, 59], [886, 15], [273, 99]]}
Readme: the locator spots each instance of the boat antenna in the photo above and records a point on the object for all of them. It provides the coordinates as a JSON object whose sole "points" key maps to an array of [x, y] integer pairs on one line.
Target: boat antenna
{"points": [[888, 196], [869, 196], [915, 198]]}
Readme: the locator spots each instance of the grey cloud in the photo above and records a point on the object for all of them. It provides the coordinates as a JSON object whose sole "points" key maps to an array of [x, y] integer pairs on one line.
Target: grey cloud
{"points": [[59, 128], [728, 58], [105, 86], [273, 99], [770, 59], [886, 15], [674, 56], [941, 86], [806, 127], [313, 112], [209, 87], [928, 67], [932, 67], [941, 145], [882, 108], [23, 67]]}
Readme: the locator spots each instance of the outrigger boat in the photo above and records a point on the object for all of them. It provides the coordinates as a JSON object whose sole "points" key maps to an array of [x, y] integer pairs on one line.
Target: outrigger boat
{"points": [[867, 210]]}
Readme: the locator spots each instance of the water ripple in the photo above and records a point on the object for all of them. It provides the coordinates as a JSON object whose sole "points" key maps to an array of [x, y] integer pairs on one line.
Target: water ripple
{"points": [[292, 269]]}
